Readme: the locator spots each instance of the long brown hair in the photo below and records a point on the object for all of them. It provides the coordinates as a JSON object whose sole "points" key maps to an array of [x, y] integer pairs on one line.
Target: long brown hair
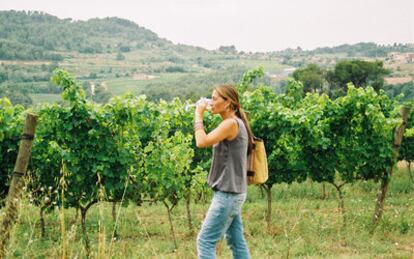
{"points": [[229, 92]]}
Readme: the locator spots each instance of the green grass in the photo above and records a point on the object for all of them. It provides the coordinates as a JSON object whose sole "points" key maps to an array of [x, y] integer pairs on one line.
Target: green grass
{"points": [[45, 98], [269, 66], [303, 226], [118, 86]]}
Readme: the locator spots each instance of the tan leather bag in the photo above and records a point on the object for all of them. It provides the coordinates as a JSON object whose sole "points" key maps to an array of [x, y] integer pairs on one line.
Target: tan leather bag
{"points": [[257, 172]]}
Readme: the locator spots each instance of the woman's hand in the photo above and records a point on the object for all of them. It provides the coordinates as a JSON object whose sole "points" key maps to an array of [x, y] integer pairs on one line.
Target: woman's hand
{"points": [[202, 105]]}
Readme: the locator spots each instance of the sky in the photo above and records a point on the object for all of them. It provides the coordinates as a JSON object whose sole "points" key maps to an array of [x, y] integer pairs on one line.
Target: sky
{"points": [[254, 25]]}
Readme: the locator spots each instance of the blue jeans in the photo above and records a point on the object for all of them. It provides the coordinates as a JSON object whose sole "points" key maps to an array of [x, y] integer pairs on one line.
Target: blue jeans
{"points": [[223, 217]]}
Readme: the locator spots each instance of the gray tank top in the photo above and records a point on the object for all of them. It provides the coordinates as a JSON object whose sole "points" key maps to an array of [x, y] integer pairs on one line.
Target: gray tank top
{"points": [[228, 172]]}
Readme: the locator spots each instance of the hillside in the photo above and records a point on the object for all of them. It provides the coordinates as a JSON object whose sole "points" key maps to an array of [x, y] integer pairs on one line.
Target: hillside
{"points": [[36, 35], [115, 56]]}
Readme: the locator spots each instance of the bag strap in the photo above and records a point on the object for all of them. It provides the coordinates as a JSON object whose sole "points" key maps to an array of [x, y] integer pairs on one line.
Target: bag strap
{"points": [[254, 141]]}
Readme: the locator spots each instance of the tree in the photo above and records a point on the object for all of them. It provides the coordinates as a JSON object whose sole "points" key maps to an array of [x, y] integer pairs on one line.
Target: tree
{"points": [[407, 145], [166, 160], [11, 124], [405, 89], [119, 56], [311, 76], [358, 72], [87, 149], [355, 141], [228, 49], [248, 79], [278, 126], [17, 95]]}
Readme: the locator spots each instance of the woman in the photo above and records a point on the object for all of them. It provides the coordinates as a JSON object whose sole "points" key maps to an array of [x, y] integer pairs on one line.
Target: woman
{"points": [[231, 142]]}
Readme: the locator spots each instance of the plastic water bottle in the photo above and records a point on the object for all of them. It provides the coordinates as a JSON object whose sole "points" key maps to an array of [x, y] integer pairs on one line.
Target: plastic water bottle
{"points": [[202, 99]]}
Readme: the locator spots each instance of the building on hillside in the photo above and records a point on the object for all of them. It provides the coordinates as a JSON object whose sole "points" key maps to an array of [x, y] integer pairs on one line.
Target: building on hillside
{"points": [[397, 57], [410, 58]]}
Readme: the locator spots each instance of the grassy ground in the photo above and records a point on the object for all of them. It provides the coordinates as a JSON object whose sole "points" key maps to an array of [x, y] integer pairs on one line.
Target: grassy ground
{"points": [[45, 98], [118, 86], [303, 226]]}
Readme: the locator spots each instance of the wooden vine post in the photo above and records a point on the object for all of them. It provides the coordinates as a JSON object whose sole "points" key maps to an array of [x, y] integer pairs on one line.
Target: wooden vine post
{"points": [[17, 183], [398, 136]]}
